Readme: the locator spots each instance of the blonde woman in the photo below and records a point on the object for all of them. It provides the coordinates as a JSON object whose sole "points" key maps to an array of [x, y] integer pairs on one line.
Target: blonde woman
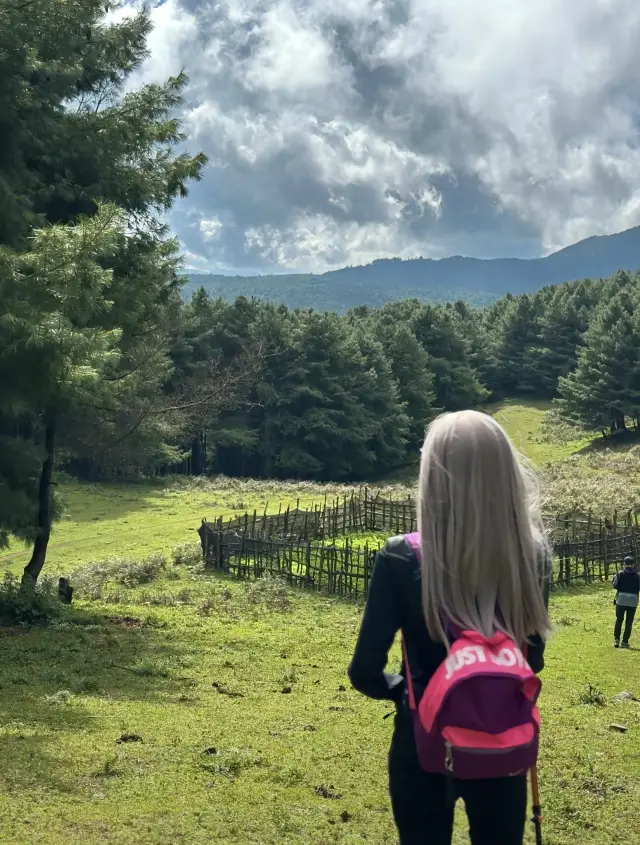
{"points": [[481, 566]]}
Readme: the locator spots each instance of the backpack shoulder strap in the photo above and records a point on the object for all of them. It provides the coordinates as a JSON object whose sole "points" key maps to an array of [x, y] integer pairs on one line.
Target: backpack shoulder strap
{"points": [[414, 541], [408, 678]]}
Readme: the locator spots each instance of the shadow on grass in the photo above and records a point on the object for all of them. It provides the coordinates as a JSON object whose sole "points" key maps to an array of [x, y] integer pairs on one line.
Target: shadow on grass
{"points": [[619, 440], [580, 588], [89, 502], [49, 673], [526, 401]]}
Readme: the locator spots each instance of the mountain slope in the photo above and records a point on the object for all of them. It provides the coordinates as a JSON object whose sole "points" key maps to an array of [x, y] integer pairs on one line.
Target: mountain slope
{"points": [[475, 280]]}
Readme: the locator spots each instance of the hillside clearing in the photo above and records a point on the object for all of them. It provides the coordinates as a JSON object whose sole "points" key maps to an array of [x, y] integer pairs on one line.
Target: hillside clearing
{"points": [[194, 708], [581, 474], [199, 709], [524, 423], [136, 519]]}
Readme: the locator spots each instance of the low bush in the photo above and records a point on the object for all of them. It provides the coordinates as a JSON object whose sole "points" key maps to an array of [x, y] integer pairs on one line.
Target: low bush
{"points": [[29, 605], [187, 554], [89, 580], [592, 696], [555, 429], [143, 571], [270, 591]]}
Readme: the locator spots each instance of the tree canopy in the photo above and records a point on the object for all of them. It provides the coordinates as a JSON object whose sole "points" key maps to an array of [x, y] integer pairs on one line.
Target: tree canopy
{"points": [[89, 286], [106, 371]]}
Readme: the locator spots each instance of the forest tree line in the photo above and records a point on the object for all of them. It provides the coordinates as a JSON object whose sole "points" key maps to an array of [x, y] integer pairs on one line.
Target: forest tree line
{"points": [[348, 397], [104, 370]]}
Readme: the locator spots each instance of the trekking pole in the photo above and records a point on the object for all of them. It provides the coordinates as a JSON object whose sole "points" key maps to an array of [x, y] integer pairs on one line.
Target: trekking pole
{"points": [[537, 810]]}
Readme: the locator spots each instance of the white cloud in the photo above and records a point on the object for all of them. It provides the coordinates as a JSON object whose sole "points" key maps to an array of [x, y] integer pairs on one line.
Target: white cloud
{"points": [[210, 228], [345, 130], [174, 29], [545, 81], [293, 57], [315, 243]]}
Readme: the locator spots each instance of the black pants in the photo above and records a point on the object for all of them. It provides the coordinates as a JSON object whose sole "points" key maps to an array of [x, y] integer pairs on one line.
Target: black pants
{"points": [[423, 804], [621, 612]]}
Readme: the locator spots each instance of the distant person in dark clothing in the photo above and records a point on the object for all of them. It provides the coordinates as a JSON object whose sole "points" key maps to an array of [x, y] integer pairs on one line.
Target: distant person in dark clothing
{"points": [[627, 584], [483, 565]]}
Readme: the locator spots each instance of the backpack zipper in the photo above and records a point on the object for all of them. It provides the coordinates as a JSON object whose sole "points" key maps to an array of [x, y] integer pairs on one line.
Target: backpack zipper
{"points": [[448, 754], [485, 751]]}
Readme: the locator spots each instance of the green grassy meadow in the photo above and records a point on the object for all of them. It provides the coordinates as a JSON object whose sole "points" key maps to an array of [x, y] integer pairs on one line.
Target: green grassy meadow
{"points": [[577, 473], [103, 520], [524, 423], [193, 708]]}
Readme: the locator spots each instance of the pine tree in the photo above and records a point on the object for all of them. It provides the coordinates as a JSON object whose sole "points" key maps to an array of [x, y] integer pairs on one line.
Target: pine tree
{"points": [[605, 387], [411, 370], [380, 396], [277, 327], [561, 327], [516, 337], [51, 356], [471, 327], [217, 337], [456, 383], [330, 407], [78, 139]]}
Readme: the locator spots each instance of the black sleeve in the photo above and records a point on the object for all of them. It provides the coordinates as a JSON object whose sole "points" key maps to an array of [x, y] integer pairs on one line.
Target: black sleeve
{"points": [[535, 650], [380, 624], [535, 653]]}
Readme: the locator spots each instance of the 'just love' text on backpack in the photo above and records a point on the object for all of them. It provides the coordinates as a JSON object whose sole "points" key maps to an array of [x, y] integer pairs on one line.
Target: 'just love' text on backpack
{"points": [[478, 716]]}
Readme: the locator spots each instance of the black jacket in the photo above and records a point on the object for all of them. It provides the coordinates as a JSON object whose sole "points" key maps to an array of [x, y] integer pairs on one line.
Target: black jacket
{"points": [[627, 581], [394, 603]]}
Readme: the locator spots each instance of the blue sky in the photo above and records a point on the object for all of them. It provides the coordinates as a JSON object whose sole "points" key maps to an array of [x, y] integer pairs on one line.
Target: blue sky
{"points": [[340, 131]]}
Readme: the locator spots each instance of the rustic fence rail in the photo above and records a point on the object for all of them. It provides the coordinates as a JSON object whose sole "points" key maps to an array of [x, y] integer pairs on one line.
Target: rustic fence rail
{"points": [[296, 543], [341, 570]]}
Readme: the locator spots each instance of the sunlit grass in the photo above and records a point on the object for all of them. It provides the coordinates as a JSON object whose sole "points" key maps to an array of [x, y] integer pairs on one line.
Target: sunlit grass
{"points": [[103, 520], [198, 709], [233, 696], [523, 422], [581, 474]]}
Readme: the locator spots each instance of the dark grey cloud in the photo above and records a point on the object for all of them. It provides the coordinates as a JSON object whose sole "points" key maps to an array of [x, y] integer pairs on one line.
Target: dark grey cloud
{"points": [[340, 131]]}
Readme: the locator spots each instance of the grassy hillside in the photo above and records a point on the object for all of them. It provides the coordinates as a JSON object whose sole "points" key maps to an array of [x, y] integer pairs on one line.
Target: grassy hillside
{"points": [[577, 473], [137, 519], [196, 709], [524, 423]]}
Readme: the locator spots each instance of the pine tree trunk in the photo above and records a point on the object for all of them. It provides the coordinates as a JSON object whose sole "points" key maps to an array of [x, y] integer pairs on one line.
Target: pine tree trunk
{"points": [[267, 450], [198, 460], [33, 569], [267, 464], [205, 465]]}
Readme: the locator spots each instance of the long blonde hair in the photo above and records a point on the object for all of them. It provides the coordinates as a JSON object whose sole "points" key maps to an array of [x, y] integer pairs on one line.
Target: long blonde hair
{"points": [[481, 531]]}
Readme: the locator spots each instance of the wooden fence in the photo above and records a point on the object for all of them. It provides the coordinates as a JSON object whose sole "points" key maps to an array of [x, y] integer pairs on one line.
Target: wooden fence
{"points": [[357, 513], [342, 570], [296, 543]]}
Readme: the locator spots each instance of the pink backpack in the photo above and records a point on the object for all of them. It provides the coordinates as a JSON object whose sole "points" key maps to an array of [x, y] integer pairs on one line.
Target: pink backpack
{"points": [[478, 716]]}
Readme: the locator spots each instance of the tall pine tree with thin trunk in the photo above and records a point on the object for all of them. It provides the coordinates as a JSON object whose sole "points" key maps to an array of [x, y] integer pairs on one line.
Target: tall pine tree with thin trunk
{"points": [[79, 138]]}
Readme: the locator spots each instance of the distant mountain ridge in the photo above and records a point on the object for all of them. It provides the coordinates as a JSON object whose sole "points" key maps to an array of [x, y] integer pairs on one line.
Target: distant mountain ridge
{"points": [[476, 280]]}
